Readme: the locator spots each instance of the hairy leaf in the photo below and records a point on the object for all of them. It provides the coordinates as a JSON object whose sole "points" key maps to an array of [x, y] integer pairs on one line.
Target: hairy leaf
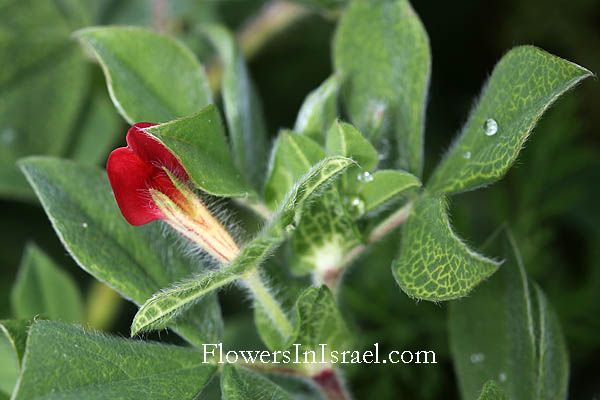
{"points": [[13, 334], [160, 309], [319, 322], [199, 143], [506, 331], [381, 51], [491, 391], [42, 288], [345, 140], [433, 263], [319, 110], [135, 261], [238, 383], [15, 331], [150, 77], [311, 184], [524, 84], [65, 362], [385, 186], [243, 110], [293, 156], [324, 236]]}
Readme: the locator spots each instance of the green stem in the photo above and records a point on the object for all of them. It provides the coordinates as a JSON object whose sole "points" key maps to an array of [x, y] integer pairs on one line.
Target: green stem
{"points": [[390, 223], [275, 17], [331, 277], [253, 281]]}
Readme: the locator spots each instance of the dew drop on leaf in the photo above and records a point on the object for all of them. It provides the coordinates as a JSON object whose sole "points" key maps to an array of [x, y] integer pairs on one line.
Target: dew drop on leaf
{"points": [[467, 155], [357, 206], [490, 127], [477, 358], [7, 136], [364, 176]]}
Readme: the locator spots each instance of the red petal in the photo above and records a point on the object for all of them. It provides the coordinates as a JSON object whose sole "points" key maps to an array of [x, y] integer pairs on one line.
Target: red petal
{"points": [[152, 151], [130, 178]]}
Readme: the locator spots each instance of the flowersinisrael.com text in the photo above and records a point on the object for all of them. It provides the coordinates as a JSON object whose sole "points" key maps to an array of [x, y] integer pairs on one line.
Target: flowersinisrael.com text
{"points": [[322, 355]]}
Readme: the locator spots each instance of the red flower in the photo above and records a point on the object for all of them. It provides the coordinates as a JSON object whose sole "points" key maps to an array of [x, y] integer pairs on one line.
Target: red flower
{"points": [[134, 169], [150, 183]]}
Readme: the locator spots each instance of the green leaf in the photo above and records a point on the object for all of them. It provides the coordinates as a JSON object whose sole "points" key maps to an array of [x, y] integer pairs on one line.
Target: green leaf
{"points": [[8, 368], [150, 77], [324, 236], [135, 261], [524, 84], [385, 186], [243, 110], [24, 108], [292, 157], [318, 322], [13, 334], [200, 144], [381, 51], [15, 330], [34, 33], [160, 309], [507, 331], [98, 132], [491, 391], [433, 263], [42, 287], [311, 184], [344, 140], [238, 383], [319, 110], [65, 362]]}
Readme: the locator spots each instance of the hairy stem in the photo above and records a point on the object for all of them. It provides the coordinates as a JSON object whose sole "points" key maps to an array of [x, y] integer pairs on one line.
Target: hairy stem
{"points": [[273, 18], [330, 384], [331, 277], [253, 281], [390, 223]]}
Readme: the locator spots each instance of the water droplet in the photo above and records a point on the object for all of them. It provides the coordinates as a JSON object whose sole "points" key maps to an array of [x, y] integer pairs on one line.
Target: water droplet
{"points": [[490, 127], [85, 225], [357, 206], [477, 357], [290, 228], [502, 377], [364, 176], [7, 136], [467, 155]]}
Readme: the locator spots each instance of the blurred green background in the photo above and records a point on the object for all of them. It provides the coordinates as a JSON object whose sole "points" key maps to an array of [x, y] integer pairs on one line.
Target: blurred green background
{"points": [[53, 99]]}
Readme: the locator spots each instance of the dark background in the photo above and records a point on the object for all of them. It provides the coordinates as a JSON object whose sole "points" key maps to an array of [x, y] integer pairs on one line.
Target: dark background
{"points": [[549, 198]]}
